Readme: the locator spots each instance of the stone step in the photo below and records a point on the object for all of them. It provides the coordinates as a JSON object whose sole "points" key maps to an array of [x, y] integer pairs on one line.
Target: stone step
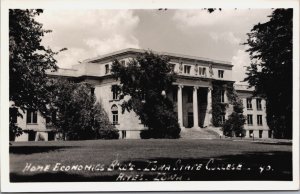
{"points": [[204, 133]]}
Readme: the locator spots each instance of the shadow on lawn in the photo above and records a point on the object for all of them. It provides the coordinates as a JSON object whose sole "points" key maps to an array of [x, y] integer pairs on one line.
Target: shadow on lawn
{"points": [[213, 169], [35, 149]]}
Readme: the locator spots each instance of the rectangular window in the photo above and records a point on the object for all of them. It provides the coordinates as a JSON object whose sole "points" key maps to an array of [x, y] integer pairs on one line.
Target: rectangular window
{"points": [[259, 120], [123, 134], [31, 117], [249, 120], [251, 133], [220, 73], [123, 63], [270, 134], [172, 66], [222, 119], [202, 71], [187, 69], [115, 118], [222, 93], [106, 69], [13, 115], [175, 94], [258, 104], [92, 91], [190, 96], [260, 133], [249, 103], [115, 92]]}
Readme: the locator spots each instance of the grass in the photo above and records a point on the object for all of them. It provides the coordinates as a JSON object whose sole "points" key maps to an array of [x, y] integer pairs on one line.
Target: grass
{"points": [[273, 159]]}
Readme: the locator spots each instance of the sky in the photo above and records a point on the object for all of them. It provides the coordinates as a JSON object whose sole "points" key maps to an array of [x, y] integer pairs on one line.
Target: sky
{"points": [[89, 33]]}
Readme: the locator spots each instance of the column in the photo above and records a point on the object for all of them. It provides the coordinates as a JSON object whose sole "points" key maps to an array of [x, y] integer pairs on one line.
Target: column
{"points": [[208, 115], [179, 105], [195, 107]]}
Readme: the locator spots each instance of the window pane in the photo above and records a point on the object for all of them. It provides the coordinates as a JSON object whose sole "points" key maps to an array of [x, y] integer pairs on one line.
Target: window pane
{"points": [[34, 120], [28, 116]]}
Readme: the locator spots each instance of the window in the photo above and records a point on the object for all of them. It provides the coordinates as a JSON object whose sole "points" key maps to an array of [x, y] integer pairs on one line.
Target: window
{"points": [[270, 134], [123, 134], [106, 69], [92, 91], [249, 120], [202, 71], [222, 93], [258, 104], [172, 66], [175, 94], [123, 63], [31, 117], [52, 118], [13, 115], [220, 73], [251, 133], [249, 103], [187, 69], [222, 119], [115, 92], [259, 120], [190, 96], [115, 116], [260, 133]]}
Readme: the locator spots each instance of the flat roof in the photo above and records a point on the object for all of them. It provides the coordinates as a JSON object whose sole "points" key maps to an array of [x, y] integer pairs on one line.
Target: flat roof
{"points": [[172, 55]]}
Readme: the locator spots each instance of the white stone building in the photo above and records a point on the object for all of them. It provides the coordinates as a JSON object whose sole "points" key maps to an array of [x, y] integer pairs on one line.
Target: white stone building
{"points": [[191, 94]]}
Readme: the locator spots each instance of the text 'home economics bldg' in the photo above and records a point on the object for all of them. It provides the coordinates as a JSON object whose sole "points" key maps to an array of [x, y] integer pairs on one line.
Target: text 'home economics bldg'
{"points": [[191, 94]]}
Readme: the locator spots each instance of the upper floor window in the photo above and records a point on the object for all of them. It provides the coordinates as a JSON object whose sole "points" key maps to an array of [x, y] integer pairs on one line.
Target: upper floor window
{"points": [[220, 73], [258, 104], [202, 71], [115, 92], [222, 93], [31, 116], [249, 103], [187, 69], [13, 115], [259, 120], [52, 118], [106, 69], [249, 120], [92, 91], [172, 67]]}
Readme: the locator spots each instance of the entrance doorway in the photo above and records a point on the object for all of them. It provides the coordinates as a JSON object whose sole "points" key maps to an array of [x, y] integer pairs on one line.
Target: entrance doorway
{"points": [[190, 119]]}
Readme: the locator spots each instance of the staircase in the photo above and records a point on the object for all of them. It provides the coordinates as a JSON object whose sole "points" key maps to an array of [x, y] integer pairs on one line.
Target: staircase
{"points": [[203, 133]]}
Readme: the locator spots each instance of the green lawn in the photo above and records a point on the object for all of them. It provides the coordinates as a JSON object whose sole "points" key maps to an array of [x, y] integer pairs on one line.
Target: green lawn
{"points": [[174, 159]]}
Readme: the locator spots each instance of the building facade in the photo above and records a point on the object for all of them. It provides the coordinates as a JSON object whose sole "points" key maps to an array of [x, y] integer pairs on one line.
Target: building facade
{"points": [[191, 94]]}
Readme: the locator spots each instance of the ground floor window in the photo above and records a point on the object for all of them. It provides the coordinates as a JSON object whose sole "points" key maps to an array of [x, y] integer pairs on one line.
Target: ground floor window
{"points": [[260, 133], [123, 134], [190, 119], [222, 119], [270, 134], [115, 116], [31, 135], [251, 133]]}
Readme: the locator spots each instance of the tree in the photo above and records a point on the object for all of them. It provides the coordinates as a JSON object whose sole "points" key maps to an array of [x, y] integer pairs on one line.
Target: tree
{"points": [[234, 125], [28, 61], [77, 114], [271, 70], [145, 79]]}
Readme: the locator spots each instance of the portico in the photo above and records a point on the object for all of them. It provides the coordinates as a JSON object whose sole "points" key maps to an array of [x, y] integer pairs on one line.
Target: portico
{"points": [[194, 106]]}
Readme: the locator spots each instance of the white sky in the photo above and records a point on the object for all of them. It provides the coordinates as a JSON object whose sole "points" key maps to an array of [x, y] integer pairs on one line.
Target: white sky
{"points": [[89, 33]]}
